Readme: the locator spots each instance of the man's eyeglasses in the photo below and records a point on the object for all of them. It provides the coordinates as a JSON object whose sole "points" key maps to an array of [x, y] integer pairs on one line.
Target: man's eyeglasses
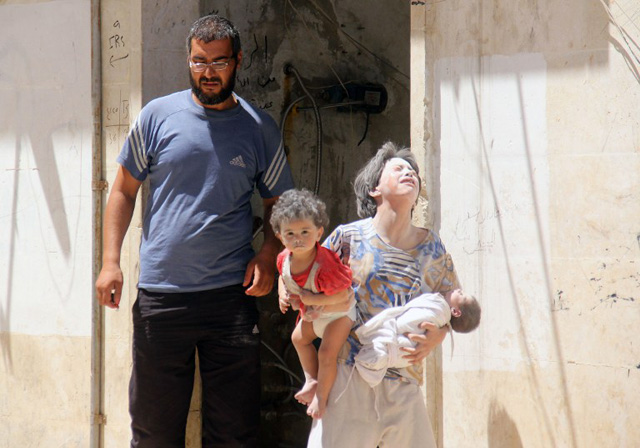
{"points": [[202, 66]]}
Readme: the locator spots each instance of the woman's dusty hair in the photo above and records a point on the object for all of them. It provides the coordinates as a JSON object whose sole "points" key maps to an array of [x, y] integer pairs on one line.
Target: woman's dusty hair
{"points": [[368, 177], [296, 204], [214, 27], [469, 318]]}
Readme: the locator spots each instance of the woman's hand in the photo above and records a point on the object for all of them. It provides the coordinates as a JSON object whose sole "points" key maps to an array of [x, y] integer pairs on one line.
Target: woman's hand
{"points": [[341, 298], [425, 342], [283, 296]]}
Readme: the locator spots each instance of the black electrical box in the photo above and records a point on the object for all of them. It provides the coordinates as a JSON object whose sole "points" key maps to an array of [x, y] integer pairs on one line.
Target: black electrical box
{"points": [[352, 96]]}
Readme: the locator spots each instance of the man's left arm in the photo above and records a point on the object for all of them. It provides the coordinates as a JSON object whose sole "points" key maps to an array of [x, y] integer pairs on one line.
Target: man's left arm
{"points": [[262, 268]]}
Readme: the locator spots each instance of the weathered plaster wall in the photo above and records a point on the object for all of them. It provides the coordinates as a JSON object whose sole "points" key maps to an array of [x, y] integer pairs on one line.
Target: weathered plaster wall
{"points": [[530, 124], [45, 223], [121, 101]]}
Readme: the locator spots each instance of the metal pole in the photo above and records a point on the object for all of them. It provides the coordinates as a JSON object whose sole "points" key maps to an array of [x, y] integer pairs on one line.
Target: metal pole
{"points": [[98, 187]]}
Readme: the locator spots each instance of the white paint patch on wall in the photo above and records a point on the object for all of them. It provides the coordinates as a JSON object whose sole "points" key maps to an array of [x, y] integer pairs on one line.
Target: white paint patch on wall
{"points": [[45, 168], [491, 122]]}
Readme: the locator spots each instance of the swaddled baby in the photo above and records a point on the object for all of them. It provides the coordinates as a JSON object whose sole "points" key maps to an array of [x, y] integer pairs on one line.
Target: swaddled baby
{"points": [[384, 335]]}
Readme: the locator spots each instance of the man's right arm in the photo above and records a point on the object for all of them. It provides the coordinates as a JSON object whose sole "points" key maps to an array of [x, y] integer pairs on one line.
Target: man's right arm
{"points": [[117, 218]]}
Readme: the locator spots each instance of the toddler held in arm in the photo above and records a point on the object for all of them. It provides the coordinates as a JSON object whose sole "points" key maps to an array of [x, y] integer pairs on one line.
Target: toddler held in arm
{"points": [[383, 335], [313, 279]]}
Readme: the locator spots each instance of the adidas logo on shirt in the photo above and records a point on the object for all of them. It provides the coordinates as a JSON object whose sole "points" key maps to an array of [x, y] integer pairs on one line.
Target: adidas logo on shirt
{"points": [[237, 161]]}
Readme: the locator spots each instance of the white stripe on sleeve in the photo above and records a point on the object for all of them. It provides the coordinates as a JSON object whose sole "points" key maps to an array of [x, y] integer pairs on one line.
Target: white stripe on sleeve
{"points": [[136, 142], [274, 170], [277, 173]]}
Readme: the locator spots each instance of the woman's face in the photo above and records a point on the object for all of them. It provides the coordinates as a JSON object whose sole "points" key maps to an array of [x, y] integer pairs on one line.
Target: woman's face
{"points": [[398, 179]]}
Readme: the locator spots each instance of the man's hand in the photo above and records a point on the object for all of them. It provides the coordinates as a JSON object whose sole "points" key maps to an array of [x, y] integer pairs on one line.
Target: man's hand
{"points": [[262, 269], [426, 342], [109, 286], [263, 266], [117, 218]]}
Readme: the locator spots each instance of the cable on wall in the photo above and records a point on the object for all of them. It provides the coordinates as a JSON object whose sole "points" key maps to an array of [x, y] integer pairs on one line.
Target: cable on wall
{"points": [[290, 69]]}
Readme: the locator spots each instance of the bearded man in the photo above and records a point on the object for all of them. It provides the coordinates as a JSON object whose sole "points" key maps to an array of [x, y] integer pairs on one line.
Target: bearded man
{"points": [[204, 151]]}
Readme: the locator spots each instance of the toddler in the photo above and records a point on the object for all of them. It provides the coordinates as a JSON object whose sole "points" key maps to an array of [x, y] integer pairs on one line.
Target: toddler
{"points": [[313, 279]]}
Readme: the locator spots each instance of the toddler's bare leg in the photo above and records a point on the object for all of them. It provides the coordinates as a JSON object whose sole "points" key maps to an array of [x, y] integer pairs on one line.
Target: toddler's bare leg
{"points": [[333, 339], [302, 338]]}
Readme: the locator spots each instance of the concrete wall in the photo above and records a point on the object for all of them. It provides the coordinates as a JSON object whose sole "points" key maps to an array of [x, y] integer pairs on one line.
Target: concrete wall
{"points": [[45, 223], [528, 118]]}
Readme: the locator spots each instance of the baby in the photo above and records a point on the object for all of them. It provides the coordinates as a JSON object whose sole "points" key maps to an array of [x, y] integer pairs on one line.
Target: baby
{"points": [[383, 335]]}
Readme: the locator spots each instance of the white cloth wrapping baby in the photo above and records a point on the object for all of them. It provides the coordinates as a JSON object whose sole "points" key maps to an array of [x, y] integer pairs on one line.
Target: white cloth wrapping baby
{"points": [[383, 335]]}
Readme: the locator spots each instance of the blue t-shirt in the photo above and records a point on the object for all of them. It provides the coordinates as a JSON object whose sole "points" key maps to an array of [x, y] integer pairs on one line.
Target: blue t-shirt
{"points": [[203, 166]]}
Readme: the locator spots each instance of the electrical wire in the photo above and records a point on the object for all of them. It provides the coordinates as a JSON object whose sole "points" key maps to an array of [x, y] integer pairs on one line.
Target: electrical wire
{"points": [[282, 365], [623, 32], [366, 128], [291, 69], [333, 105], [286, 113]]}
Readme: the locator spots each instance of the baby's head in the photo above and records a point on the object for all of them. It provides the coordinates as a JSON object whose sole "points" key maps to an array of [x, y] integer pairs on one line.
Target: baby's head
{"points": [[298, 219], [465, 311]]}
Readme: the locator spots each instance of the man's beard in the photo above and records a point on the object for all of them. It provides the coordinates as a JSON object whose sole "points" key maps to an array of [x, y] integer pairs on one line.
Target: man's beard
{"points": [[213, 99]]}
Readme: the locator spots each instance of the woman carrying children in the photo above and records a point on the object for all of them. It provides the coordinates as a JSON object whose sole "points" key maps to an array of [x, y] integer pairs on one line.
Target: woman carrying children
{"points": [[313, 279], [392, 261]]}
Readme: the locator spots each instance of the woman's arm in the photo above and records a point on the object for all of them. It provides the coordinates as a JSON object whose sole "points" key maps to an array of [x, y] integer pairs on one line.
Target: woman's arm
{"points": [[343, 296]]}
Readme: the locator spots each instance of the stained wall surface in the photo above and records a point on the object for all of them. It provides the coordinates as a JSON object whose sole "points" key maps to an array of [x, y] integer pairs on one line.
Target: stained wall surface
{"points": [[45, 223], [529, 124]]}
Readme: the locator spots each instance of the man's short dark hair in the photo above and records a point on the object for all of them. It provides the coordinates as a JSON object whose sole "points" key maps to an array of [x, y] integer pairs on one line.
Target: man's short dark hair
{"points": [[214, 27]]}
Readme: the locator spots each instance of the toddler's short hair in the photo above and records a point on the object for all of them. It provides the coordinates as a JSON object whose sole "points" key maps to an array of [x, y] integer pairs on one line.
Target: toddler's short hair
{"points": [[296, 204], [469, 318]]}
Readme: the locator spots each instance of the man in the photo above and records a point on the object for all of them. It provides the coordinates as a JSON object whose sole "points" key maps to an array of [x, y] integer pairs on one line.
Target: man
{"points": [[203, 151]]}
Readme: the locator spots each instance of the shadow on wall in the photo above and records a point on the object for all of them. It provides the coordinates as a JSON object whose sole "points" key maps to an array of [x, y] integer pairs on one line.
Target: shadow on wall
{"points": [[36, 113], [466, 99], [502, 431]]}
